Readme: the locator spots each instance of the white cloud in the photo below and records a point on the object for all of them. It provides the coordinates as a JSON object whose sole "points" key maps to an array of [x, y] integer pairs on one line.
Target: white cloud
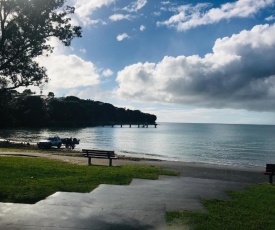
{"points": [[270, 18], [190, 16], [119, 17], [240, 73], [67, 71], [107, 73], [165, 3], [157, 14], [123, 36], [135, 6], [142, 28], [96, 22], [84, 9]]}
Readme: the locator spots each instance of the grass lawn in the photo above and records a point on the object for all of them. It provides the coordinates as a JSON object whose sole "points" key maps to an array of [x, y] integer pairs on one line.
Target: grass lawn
{"points": [[34, 149], [28, 180], [18, 149], [253, 208]]}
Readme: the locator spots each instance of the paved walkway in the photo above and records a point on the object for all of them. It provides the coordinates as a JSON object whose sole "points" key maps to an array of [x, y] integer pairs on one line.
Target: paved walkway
{"points": [[140, 205]]}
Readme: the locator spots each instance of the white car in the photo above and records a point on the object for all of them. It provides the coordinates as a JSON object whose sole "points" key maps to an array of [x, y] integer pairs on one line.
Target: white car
{"points": [[50, 142]]}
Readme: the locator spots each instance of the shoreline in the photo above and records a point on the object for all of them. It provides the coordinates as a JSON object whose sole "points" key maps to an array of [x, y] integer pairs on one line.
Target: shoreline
{"points": [[67, 153], [247, 175], [32, 146], [26, 147]]}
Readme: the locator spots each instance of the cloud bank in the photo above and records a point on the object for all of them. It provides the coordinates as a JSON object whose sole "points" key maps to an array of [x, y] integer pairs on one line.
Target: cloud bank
{"points": [[238, 74], [191, 16]]}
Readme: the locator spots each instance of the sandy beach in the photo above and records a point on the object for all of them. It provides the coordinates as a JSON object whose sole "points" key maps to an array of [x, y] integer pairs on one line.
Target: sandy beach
{"points": [[249, 175]]}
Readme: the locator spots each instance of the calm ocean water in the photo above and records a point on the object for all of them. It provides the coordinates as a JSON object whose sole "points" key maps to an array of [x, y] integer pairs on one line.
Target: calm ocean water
{"points": [[234, 145]]}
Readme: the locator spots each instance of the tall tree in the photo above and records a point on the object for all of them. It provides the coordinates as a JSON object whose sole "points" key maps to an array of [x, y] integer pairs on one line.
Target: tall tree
{"points": [[51, 94], [25, 28]]}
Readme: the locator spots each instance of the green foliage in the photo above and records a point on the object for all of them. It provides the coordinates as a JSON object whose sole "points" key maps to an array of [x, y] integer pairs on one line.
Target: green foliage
{"points": [[30, 111], [28, 180], [251, 209], [26, 26], [27, 92], [26, 110], [50, 94]]}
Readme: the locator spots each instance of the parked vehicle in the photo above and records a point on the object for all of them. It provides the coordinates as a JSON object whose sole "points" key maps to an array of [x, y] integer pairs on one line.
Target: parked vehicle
{"points": [[70, 142], [50, 142]]}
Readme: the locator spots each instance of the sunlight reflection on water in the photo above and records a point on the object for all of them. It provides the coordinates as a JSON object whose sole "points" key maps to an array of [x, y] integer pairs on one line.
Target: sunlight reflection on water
{"points": [[236, 145]]}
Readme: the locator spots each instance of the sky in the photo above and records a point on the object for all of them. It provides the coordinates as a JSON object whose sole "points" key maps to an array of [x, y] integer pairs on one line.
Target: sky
{"points": [[184, 61]]}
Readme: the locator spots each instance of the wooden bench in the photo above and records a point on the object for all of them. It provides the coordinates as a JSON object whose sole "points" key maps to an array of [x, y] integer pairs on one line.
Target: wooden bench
{"points": [[103, 154], [270, 171]]}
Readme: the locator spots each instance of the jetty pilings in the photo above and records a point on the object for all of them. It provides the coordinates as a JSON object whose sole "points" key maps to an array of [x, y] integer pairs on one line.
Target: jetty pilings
{"points": [[130, 125]]}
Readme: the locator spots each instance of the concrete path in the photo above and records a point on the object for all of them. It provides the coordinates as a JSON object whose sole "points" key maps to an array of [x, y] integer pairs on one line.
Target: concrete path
{"points": [[141, 205]]}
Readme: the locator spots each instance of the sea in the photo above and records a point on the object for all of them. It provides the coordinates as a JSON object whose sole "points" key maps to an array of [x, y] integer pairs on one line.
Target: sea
{"points": [[219, 144]]}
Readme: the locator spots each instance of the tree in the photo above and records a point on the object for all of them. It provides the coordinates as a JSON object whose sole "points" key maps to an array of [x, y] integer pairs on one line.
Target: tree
{"points": [[51, 94], [25, 28], [30, 111], [27, 92]]}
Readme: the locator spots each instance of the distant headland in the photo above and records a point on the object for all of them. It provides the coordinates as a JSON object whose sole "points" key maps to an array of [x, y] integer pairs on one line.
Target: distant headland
{"points": [[29, 110]]}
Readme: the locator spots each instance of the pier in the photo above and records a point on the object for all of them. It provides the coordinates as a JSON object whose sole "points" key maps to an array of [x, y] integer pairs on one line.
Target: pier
{"points": [[133, 124]]}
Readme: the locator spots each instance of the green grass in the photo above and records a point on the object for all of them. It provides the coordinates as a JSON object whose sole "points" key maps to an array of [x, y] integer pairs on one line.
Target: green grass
{"points": [[28, 180], [253, 208], [35, 149], [17, 149]]}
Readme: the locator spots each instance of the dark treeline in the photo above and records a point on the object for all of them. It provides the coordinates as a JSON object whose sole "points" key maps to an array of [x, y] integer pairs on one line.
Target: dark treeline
{"points": [[27, 110]]}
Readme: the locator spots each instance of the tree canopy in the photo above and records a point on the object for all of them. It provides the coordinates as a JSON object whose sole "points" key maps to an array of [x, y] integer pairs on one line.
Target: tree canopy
{"points": [[25, 28], [34, 111]]}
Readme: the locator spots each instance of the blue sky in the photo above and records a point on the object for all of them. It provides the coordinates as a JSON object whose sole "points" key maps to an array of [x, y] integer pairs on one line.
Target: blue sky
{"points": [[184, 61]]}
